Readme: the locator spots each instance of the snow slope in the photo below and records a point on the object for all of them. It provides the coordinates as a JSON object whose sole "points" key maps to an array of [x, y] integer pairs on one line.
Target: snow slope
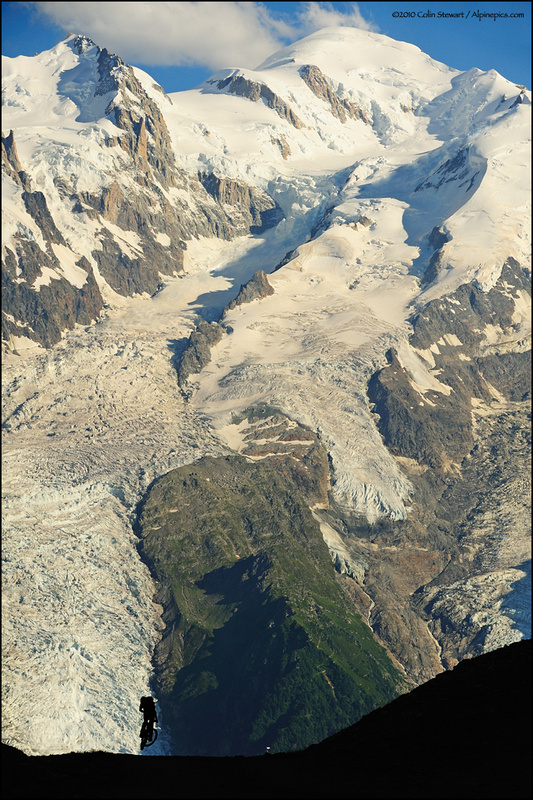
{"points": [[421, 116], [438, 154]]}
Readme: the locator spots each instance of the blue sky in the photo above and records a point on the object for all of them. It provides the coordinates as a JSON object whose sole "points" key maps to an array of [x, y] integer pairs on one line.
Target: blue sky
{"points": [[181, 44]]}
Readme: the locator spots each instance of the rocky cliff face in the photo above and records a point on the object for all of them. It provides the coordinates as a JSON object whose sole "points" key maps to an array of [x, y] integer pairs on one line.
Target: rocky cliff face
{"points": [[254, 91], [256, 288], [465, 446], [251, 210], [11, 164], [197, 352], [342, 108]]}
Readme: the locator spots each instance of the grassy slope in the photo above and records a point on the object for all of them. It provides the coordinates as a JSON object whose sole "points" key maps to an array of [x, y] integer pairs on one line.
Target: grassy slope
{"points": [[262, 647]]}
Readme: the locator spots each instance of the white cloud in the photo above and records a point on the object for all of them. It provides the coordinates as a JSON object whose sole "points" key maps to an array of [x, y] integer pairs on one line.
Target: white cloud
{"points": [[315, 16], [208, 34]]}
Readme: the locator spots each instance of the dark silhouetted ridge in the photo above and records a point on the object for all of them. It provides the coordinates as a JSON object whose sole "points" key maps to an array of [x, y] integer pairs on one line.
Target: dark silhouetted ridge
{"points": [[464, 734]]}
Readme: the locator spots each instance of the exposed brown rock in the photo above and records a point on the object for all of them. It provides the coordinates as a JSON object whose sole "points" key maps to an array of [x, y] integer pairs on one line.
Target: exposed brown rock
{"points": [[55, 307], [198, 350], [11, 163], [341, 108], [256, 288], [294, 449], [281, 142], [37, 208], [239, 85], [248, 208]]}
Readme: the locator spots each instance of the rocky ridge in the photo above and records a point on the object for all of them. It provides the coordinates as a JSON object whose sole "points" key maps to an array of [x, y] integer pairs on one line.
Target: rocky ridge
{"points": [[140, 220], [342, 108], [463, 710], [254, 91]]}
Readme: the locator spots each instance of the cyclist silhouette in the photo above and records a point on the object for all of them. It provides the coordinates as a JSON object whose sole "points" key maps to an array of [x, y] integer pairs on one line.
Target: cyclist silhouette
{"points": [[148, 734]]}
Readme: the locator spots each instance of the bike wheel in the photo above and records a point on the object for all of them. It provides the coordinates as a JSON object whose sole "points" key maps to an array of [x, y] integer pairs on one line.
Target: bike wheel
{"points": [[153, 740]]}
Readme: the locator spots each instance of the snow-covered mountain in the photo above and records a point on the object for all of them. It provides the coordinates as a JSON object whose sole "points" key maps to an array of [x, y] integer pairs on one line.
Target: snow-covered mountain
{"points": [[385, 197]]}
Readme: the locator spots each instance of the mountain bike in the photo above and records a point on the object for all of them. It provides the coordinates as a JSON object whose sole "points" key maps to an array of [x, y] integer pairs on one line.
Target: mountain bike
{"points": [[148, 734]]}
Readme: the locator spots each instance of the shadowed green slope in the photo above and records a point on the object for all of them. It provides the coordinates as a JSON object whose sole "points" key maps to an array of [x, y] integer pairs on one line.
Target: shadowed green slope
{"points": [[262, 646]]}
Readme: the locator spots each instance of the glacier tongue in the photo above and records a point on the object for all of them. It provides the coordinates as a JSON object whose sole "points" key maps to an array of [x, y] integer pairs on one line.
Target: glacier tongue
{"points": [[78, 614], [310, 348], [90, 425]]}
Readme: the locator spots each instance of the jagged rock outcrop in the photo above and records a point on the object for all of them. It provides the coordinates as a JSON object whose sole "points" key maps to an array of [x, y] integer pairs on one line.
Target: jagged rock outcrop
{"points": [[59, 304], [254, 91], [470, 312], [434, 431], [197, 352], [436, 239], [256, 288], [283, 145], [340, 107], [11, 164], [465, 167], [249, 209], [55, 307], [37, 208]]}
